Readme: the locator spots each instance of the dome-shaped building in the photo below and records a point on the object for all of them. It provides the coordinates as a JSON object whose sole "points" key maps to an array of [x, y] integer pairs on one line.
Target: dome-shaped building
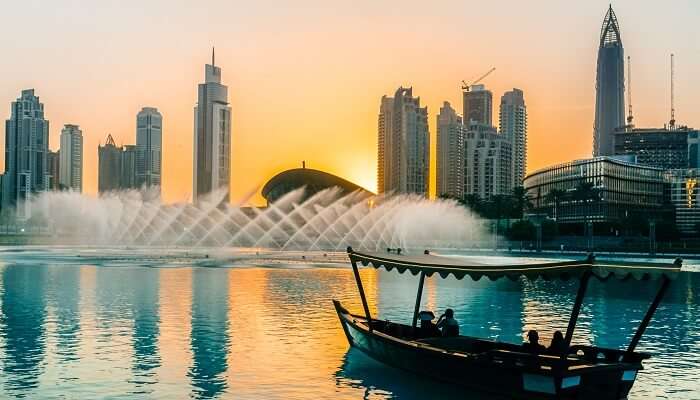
{"points": [[312, 180]]}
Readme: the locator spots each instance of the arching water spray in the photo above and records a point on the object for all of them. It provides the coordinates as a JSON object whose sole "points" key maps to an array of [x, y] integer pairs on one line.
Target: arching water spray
{"points": [[327, 220]]}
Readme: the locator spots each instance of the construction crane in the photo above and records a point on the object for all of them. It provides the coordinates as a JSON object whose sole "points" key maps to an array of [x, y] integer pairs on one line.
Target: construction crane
{"points": [[672, 122], [467, 86], [629, 92]]}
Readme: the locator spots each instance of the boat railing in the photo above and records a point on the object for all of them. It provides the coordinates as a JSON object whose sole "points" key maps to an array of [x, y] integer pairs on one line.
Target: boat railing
{"points": [[593, 354]]}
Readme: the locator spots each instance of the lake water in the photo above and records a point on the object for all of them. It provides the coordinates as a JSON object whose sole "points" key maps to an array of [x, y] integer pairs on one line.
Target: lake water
{"points": [[86, 330]]}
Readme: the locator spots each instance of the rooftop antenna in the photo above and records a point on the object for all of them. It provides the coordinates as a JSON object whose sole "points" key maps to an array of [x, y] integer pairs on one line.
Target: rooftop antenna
{"points": [[629, 91], [672, 122], [212, 56]]}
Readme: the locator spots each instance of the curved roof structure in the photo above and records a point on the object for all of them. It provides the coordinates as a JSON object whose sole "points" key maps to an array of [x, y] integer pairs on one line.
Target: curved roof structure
{"points": [[537, 268], [311, 179], [610, 31]]}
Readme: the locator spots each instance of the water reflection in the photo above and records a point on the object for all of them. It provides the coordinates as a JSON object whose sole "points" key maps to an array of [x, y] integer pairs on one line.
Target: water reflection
{"points": [[379, 382], [209, 339], [22, 326], [146, 328], [64, 300], [272, 333]]}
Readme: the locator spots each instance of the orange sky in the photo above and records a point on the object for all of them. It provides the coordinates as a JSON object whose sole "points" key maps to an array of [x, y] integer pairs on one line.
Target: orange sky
{"points": [[305, 77]]}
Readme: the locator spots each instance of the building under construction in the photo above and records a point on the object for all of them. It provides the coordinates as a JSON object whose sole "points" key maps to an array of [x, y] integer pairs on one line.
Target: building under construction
{"points": [[665, 148]]}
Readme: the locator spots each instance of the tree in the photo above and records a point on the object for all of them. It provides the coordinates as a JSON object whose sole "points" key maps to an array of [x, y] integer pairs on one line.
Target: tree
{"points": [[474, 203], [522, 231], [521, 201], [555, 196]]}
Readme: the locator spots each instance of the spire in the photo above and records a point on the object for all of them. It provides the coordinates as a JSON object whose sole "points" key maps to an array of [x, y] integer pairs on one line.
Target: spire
{"points": [[610, 32], [212, 56]]}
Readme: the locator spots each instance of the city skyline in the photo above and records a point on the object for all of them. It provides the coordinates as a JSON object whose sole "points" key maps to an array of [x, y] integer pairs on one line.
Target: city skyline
{"points": [[560, 90]]}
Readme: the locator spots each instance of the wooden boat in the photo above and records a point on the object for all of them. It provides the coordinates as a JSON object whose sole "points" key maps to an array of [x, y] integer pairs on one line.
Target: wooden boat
{"points": [[575, 372]]}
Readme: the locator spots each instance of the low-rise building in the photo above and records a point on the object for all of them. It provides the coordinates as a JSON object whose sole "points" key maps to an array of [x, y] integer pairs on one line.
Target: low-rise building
{"points": [[683, 192], [601, 189]]}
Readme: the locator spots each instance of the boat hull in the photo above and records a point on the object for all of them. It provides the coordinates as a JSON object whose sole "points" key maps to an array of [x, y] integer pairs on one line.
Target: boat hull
{"points": [[514, 381]]}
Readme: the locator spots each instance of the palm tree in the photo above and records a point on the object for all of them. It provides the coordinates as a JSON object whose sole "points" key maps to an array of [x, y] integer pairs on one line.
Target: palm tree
{"points": [[521, 201], [555, 196]]}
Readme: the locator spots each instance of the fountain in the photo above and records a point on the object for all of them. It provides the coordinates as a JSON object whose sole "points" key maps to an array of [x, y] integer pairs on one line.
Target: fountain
{"points": [[326, 221]]}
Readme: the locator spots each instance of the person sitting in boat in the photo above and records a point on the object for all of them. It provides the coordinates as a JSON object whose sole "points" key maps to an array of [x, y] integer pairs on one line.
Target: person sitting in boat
{"points": [[427, 327], [447, 324], [533, 344], [558, 346]]}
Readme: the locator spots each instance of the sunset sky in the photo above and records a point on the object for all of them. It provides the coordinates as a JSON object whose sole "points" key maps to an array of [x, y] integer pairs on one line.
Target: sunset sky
{"points": [[305, 77]]}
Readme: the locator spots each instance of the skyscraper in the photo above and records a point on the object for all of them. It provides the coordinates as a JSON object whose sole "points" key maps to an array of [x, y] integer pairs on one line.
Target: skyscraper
{"points": [[404, 144], [71, 162], [212, 135], [128, 164], [477, 105], [54, 165], [109, 166], [386, 116], [513, 124], [450, 153], [149, 134], [610, 87], [26, 153]]}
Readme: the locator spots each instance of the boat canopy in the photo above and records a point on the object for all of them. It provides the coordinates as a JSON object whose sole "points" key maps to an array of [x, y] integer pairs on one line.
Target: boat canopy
{"points": [[459, 267]]}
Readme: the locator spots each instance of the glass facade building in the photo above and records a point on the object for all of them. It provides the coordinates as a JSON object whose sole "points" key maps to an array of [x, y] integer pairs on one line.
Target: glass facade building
{"points": [[683, 191], [610, 87], [665, 148], [601, 189]]}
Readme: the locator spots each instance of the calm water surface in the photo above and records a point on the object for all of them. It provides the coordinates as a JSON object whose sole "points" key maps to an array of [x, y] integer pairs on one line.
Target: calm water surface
{"points": [[87, 331]]}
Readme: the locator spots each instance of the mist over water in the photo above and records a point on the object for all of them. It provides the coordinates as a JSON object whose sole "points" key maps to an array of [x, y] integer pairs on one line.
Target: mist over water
{"points": [[327, 220]]}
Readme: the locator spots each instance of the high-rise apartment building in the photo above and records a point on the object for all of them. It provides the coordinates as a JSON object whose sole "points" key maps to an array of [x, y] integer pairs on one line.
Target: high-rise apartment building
{"points": [[149, 139], [610, 87], [54, 161], [71, 154], [26, 153], [477, 106], [487, 162], [513, 124], [404, 150], [109, 166], [117, 167], [128, 172], [384, 153], [450, 153], [212, 136]]}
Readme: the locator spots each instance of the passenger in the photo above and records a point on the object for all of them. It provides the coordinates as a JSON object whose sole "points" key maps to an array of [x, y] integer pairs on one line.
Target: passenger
{"points": [[558, 346], [448, 324], [533, 345], [427, 327]]}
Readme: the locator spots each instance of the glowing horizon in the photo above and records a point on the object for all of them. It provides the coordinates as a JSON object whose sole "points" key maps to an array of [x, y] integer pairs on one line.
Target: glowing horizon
{"points": [[305, 78]]}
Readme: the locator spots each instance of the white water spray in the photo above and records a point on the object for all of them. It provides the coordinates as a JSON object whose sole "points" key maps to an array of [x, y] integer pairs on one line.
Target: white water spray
{"points": [[325, 221]]}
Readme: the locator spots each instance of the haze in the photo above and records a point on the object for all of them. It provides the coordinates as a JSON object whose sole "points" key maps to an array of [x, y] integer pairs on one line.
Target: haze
{"points": [[305, 77]]}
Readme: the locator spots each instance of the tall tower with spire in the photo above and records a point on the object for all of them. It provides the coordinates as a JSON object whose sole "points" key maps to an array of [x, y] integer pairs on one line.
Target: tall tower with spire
{"points": [[610, 87], [212, 136]]}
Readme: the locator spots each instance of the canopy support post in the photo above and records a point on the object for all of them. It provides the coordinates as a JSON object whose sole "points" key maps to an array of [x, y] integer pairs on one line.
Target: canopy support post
{"points": [[362, 292], [576, 310], [650, 313], [418, 298]]}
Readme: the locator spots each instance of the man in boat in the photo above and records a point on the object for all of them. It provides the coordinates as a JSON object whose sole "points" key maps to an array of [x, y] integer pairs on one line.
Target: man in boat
{"points": [[533, 344], [447, 324]]}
